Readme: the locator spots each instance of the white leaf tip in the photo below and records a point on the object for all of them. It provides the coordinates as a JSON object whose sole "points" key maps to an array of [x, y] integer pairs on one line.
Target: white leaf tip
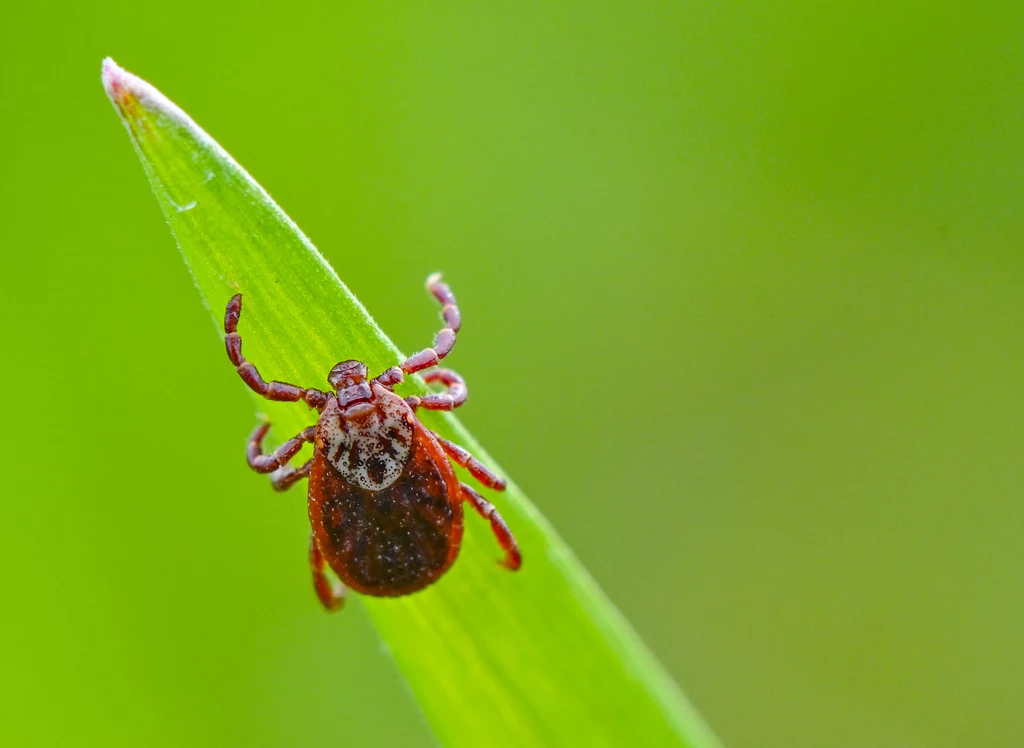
{"points": [[130, 94], [113, 77]]}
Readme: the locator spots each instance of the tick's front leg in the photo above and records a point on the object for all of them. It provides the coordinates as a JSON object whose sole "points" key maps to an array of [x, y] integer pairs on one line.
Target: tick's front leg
{"points": [[513, 558], [279, 458], [331, 593], [281, 391], [446, 338]]}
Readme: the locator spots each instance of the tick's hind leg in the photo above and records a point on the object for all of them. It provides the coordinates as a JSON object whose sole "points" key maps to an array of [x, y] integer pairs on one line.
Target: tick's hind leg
{"points": [[478, 470], [513, 558], [279, 458], [331, 592], [454, 396], [446, 338], [281, 391]]}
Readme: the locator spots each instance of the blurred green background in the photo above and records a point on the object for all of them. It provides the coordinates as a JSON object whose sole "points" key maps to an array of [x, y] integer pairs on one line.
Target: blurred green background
{"points": [[744, 296]]}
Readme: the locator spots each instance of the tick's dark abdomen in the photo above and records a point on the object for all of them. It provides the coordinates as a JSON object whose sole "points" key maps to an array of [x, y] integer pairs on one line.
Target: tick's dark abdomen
{"points": [[388, 542]]}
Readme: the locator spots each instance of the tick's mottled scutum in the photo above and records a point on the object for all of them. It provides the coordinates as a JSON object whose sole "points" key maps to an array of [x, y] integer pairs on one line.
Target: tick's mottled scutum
{"points": [[384, 504]]}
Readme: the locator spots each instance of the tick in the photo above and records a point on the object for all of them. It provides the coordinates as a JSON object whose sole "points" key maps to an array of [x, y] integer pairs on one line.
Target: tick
{"points": [[385, 506]]}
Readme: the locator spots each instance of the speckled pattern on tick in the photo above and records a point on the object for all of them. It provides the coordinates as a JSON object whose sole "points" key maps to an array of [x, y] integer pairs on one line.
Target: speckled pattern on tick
{"points": [[384, 503]]}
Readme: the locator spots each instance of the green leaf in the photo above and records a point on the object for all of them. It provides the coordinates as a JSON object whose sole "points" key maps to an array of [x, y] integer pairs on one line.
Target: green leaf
{"points": [[537, 657]]}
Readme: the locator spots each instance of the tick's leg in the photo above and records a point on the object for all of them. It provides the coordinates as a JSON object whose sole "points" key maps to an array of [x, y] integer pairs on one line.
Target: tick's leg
{"points": [[453, 398], [331, 592], [284, 478], [391, 377], [446, 338], [513, 558], [479, 471], [262, 463], [247, 370]]}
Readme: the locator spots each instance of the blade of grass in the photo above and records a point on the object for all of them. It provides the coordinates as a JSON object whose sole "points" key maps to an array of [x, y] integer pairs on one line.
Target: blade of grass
{"points": [[539, 657]]}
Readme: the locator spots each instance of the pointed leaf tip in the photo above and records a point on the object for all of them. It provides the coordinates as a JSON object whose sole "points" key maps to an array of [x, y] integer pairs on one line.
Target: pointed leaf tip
{"points": [[113, 77], [125, 89]]}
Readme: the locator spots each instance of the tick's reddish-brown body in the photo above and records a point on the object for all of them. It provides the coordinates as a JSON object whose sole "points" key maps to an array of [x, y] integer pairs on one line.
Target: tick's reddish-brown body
{"points": [[385, 505], [395, 540]]}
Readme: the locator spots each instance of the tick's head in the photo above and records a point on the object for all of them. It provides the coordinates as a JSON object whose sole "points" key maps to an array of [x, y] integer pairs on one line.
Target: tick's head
{"points": [[347, 374], [349, 381]]}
